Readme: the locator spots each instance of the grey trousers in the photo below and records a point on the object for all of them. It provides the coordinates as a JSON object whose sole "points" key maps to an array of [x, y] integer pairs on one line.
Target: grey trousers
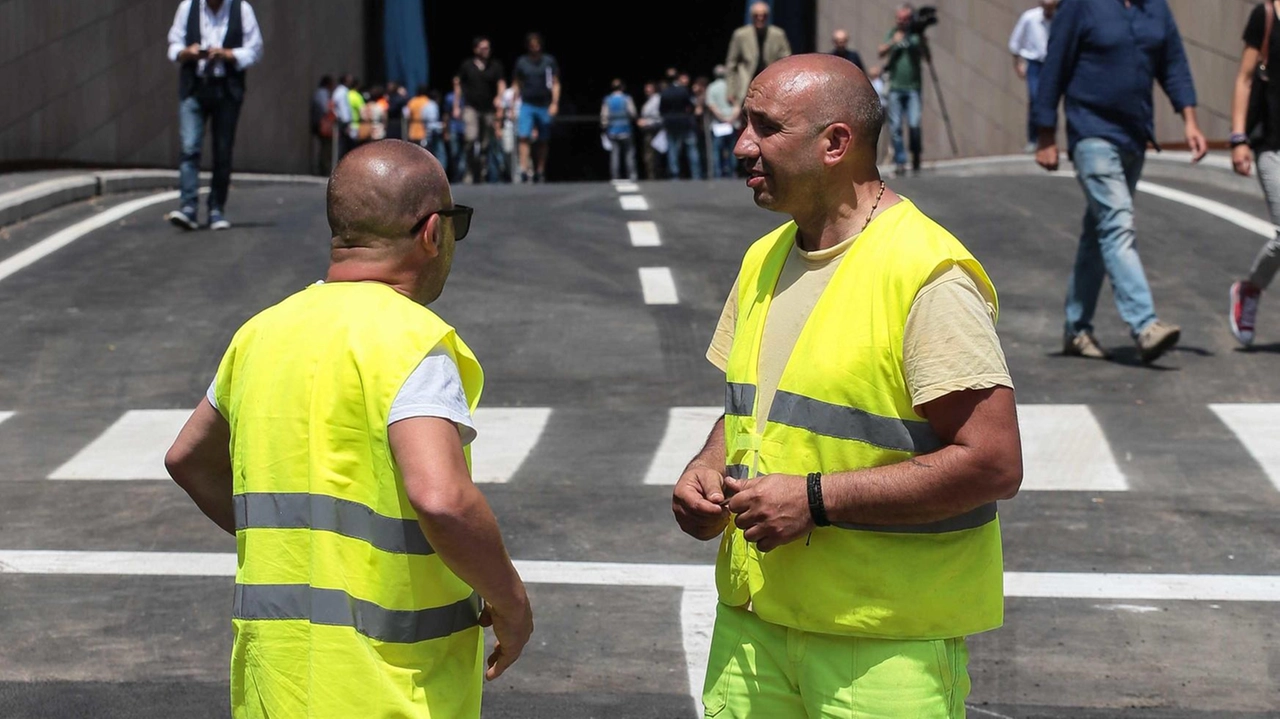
{"points": [[1268, 259]]}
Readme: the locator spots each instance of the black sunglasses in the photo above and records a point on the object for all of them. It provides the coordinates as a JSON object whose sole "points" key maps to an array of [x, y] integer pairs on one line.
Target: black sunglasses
{"points": [[459, 214]]}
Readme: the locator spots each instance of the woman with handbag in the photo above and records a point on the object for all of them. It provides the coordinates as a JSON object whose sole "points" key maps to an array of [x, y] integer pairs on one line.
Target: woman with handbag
{"points": [[1255, 139]]}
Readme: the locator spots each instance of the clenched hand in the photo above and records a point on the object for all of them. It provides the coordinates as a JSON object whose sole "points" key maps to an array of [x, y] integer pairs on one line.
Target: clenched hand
{"points": [[698, 500], [771, 510]]}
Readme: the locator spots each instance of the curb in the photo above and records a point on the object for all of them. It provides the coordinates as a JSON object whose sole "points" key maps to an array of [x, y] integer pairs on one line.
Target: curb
{"points": [[32, 200]]}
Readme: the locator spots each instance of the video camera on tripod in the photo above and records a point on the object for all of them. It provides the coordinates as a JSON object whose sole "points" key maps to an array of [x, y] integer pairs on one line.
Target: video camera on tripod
{"points": [[923, 18]]}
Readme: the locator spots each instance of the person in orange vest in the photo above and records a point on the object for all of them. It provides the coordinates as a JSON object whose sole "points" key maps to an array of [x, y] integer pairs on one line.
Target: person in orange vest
{"points": [[334, 443]]}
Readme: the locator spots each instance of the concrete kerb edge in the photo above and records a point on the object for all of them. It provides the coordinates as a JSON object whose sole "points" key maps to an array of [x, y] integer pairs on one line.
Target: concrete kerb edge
{"points": [[41, 197]]}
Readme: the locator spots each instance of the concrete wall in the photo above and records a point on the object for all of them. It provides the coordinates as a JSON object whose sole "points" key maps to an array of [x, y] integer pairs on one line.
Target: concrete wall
{"points": [[89, 81], [986, 100]]}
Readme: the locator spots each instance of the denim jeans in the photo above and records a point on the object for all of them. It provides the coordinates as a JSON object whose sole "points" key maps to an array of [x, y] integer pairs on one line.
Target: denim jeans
{"points": [[908, 102], [215, 105], [689, 140], [1033, 86], [1108, 243], [622, 146], [723, 160]]}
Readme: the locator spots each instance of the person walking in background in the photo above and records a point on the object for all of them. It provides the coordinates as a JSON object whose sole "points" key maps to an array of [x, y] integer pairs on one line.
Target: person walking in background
{"points": [[752, 48], [397, 98], [650, 125], [1028, 44], [510, 114], [213, 42], [617, 115], [1107, 76], [322, 122], [680, 123], [333, 444], [477, 87], [358, 129], [852, 481], [722, 117], [422, 122], [878, 83], [1255, 139], [455, 138], [902, 53], [840, 48], [374, 114], [342, 112], [537, 79]]}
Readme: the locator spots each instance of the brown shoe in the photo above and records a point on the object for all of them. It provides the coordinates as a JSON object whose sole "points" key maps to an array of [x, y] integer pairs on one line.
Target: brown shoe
{"points": [[1084, 344], [1157, 339]]}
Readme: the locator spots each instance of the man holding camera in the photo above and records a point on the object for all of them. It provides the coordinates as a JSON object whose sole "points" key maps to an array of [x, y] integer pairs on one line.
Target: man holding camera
{"points": [[902, 51], [214, 42]]}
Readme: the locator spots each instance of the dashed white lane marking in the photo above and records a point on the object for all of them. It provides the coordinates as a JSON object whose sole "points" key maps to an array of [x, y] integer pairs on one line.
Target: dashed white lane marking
{"points": [[132, 448], [504, 438], [1064, 449], [6, 415], [625, 186], [644, 233], [1217, 209], [658, 285], [1257, 426], [686, 433], [633, 202], [66, 236]]}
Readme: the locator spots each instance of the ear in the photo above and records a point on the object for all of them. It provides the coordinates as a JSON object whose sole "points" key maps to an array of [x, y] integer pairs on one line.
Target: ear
{"points": [[837, 143], [431, 236]]}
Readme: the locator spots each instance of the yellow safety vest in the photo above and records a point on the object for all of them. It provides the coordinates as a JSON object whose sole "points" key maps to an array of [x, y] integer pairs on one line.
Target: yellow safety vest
{"points": [[842, 404], [341, 607]]}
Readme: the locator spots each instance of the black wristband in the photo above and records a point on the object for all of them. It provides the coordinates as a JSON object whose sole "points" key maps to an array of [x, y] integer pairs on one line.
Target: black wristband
{"points": [[817, 509], [1239, 138]]}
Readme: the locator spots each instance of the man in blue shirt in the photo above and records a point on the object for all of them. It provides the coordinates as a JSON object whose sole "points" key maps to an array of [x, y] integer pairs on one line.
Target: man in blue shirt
{"points": [[1104, 56]]}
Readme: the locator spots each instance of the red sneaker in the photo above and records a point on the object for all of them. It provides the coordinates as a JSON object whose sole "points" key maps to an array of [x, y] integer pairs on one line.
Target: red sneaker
{"points": [[1244, 311]]}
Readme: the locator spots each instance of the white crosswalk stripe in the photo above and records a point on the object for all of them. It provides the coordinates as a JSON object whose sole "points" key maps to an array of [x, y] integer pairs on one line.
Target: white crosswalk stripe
{"points": [[505, 437], [687, 429], [1257, 426], [6, 415], [132, 448], [1064, 449]]}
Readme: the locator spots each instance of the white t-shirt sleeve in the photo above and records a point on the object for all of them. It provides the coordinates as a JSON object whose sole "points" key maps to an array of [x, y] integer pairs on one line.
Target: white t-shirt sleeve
{"points": [[433, 389]]}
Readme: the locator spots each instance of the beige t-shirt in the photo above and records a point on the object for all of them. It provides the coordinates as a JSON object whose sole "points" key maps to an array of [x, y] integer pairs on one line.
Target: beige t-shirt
{"points": [[949, 343]]}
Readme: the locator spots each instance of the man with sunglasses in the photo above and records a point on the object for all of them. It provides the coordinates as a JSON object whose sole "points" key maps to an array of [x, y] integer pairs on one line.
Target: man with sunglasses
{"points": [[333, 443]]}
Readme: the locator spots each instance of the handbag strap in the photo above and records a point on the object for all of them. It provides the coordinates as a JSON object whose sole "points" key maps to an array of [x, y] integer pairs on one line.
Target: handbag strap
{"points": [[1265, 51]]}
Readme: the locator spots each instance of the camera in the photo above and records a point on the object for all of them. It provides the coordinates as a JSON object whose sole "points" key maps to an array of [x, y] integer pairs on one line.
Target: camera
{"points": [[924, 17]]}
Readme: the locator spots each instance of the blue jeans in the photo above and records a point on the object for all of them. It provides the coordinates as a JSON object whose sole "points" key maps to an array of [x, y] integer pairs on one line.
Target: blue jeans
{"points": [[213, 104], [722, 154], [689, 140], [1108, 243], [908, 102], [1033, 86]]}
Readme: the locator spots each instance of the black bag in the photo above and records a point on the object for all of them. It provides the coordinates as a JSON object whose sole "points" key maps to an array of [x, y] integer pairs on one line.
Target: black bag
{"points": [[1256, 118]]}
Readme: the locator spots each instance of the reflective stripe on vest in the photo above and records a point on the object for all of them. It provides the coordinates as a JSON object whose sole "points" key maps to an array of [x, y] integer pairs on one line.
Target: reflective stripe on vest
{"points": [[334, 607], [296, 510]]}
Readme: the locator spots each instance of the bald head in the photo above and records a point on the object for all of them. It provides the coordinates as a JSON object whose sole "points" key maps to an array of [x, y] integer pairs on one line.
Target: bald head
{"points": [[827, 90], [380, 190], [840, 38]]}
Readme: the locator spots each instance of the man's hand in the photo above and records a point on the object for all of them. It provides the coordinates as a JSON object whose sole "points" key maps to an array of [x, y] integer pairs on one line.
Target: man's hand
{"points": [[511, 630], [189, 53], [698, 502], [898, 37], [771, 510], [1047, 149], [1196, 142], [554, 109], [1020, 67], [1242, 159]]}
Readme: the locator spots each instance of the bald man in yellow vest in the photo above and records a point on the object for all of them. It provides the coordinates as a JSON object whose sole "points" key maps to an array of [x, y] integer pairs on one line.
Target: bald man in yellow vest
{"points": [[869, 429], [333, 444]]}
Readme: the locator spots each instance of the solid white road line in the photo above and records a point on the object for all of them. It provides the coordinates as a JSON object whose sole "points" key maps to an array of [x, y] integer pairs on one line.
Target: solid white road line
{"points": [[1064, 449], [1217, 209], [633, 202], [693, 577], [644, 233], [504, 438], [686, 433], [64, 237], [132, 448], [658, 285], [1257, 426], [625, 186]]}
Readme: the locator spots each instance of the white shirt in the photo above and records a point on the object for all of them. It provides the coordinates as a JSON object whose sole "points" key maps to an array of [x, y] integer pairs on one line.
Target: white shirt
{"points": [[1030, 38], [213, 30], [433, 389], [342, 103]]}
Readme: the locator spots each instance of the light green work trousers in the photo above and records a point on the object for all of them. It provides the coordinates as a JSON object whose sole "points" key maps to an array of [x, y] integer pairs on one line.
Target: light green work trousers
{"points": [[757, 669]]}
